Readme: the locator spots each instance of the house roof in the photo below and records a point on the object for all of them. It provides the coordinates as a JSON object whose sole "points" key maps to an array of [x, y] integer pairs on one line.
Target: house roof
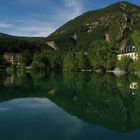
{"points": [[127, 49]]}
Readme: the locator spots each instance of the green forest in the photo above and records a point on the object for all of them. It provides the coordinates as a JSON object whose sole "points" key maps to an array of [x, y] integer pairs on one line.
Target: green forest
{"points": [[100, 55]]}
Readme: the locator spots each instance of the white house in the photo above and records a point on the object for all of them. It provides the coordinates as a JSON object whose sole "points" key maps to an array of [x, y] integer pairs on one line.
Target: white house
{"points": [[128, 51]]}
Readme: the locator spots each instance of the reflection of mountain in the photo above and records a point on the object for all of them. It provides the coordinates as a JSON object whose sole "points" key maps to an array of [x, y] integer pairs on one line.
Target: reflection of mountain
{"points": [[92, 98], [99, 101]]}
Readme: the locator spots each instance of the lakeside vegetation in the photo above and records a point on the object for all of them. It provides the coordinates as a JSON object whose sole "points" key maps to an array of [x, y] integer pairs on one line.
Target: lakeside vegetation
{"points": [[100, 55]]}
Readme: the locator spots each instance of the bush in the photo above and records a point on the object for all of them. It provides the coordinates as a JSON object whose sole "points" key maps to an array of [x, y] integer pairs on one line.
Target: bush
{"points": [[69, 62], [132, 67], [39, 66], [11, 69], [126, 64]]}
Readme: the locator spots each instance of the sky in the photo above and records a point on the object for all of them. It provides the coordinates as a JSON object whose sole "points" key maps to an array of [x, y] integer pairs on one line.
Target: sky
{"points": [[42, 17]]}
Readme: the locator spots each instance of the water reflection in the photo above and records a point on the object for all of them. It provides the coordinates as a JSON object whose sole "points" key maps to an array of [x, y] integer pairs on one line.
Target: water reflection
{"points": [[104, 100]]}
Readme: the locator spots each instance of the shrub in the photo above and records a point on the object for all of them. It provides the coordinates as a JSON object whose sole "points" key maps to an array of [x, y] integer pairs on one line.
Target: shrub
{"points": [[38, 66]]}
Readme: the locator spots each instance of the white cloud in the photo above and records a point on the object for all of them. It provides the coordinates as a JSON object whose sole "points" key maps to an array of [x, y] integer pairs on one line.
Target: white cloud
{"points": [[30, 26], [30, 1], [4, 25], [75, 4], [38, 24], [73, 9], [35, 30]]}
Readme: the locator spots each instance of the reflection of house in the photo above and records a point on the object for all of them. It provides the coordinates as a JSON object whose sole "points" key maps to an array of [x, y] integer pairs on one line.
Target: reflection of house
{"points": [[133, 86], [129, 51], [12, 58], [130, 88], [12, 81], [9, 81]]}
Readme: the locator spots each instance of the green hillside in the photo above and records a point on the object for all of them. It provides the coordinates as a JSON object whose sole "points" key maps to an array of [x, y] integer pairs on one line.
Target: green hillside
{"points": [[113, 23]]}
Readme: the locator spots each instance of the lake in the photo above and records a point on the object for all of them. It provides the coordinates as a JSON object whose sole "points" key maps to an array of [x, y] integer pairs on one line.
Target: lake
{"points": [[69, 106]]}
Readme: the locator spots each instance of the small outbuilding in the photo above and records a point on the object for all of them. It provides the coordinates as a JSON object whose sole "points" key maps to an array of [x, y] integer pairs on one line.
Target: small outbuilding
{"points": [[12, 58]]}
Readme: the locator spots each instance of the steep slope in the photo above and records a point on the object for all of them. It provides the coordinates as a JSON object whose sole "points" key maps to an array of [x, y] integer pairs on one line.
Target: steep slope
{"points": [[10, 43], [113, 23], [4, 35]]}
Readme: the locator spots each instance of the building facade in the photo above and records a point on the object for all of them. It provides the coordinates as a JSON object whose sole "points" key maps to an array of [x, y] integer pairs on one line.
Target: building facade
{"points": [[128, 51], [12, 58]]}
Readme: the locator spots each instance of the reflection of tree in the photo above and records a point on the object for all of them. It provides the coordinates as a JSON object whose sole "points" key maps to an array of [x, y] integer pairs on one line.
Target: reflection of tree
{"points": [[98, 99], [14, 80], [130, 105], [124, 83], [126, 96]]}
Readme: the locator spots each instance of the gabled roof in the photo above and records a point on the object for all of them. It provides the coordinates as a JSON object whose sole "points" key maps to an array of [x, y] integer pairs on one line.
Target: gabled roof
{"points": [[127, 49]]}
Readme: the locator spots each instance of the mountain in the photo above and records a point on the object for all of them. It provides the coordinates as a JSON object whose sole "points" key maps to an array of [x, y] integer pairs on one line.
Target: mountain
{"points": [[114, 23], [4, 35], [10, 43]]}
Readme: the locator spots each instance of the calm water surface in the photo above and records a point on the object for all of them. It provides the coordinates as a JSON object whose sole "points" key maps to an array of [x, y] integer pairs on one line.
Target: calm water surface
{"points": [[69, 106]]}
